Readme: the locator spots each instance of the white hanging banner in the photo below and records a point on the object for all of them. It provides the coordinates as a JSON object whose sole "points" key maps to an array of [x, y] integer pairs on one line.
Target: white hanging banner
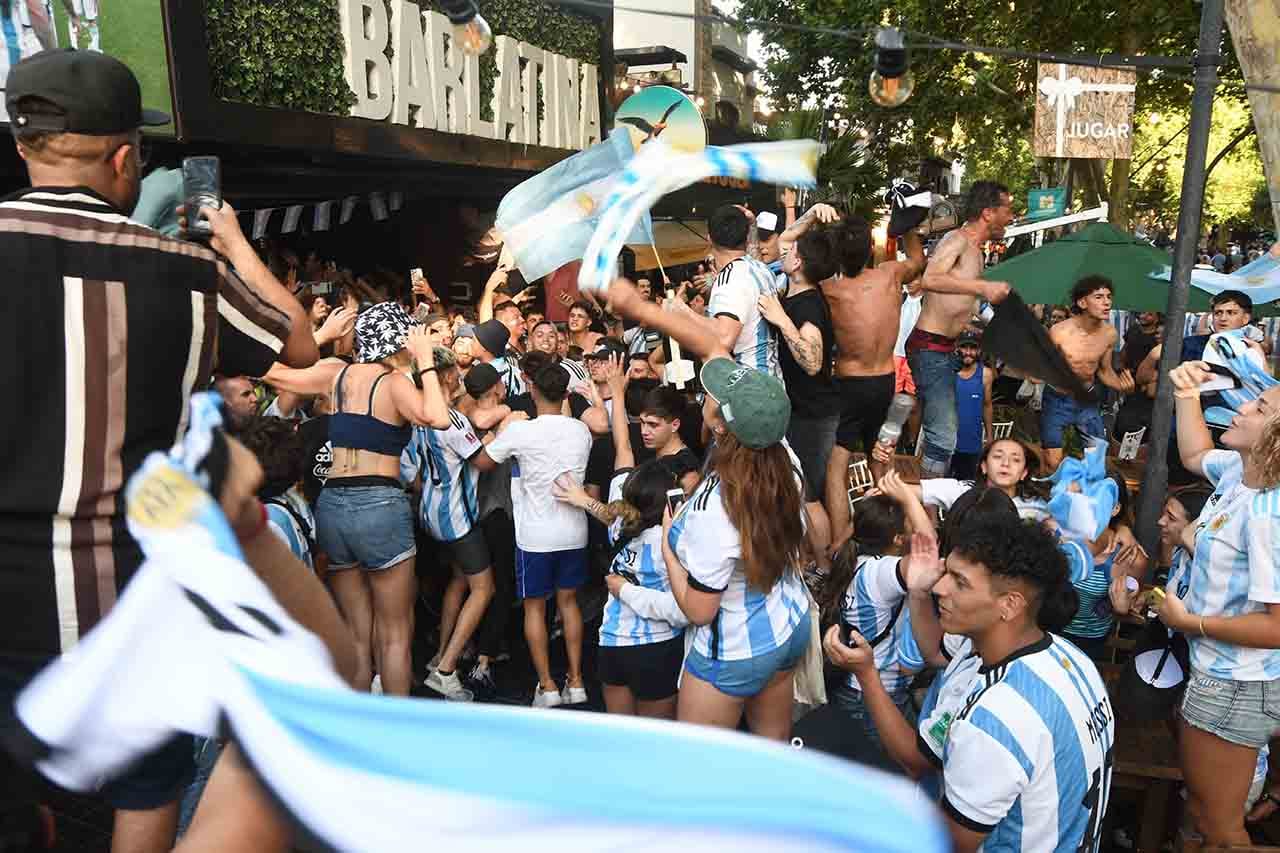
{"points": [[348, 208], [396, 201], [321, 222], [291, 217], [378, 206], [260, 220]]}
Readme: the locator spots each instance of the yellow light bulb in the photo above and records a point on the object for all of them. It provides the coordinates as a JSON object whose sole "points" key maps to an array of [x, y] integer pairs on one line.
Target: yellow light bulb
{"points": [[890, 91]]}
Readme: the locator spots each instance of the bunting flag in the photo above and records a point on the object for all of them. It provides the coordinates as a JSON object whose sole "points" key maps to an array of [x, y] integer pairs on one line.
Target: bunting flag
{"points": [[321, 222], [547, 220], [291, 216], [657, 170], [260, 220], [365, 772], [348, 208]]}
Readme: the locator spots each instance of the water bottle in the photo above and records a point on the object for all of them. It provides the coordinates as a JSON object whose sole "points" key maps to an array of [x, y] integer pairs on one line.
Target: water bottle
{"points": [[899, 411]]}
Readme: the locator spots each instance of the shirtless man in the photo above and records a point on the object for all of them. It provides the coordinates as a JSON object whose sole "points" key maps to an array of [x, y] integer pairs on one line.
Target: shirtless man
{"points": [[952, 288], [865, 306], [1087, 341], [580, 334]]}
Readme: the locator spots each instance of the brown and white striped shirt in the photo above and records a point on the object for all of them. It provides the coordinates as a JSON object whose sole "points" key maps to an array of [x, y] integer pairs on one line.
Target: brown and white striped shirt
{"points": [[106, 329]]}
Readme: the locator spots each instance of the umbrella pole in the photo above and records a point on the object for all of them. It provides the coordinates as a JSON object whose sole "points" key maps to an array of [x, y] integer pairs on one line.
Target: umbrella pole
{"points": [[1156, 482]]}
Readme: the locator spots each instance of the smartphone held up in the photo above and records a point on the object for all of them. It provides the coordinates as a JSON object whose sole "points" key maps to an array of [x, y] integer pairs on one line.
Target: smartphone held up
{"points": [[201, 187]]}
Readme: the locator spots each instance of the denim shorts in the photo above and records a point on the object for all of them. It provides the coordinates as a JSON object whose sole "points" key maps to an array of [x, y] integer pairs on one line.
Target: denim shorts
{"points": [[1059, 411], [366, 526], [812, 439], [745, 678], [1241, 712]]}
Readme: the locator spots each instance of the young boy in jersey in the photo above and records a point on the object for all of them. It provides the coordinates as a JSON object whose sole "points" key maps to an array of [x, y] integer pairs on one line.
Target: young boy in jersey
{"points": [[664, 408], [439, 459], [1026, 760], [551, 536]]}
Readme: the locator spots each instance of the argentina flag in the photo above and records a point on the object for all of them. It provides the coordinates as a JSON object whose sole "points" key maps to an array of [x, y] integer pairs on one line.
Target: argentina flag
{"points": [[198, 644], [548, 220]]}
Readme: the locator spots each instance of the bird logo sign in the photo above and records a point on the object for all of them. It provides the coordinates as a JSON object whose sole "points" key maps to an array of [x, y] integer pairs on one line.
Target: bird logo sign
{"points": [[661, 112]]}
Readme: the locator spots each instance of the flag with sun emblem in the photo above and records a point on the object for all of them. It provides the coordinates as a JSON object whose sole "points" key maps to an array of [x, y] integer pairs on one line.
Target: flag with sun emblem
{"points": [[548, 220]]}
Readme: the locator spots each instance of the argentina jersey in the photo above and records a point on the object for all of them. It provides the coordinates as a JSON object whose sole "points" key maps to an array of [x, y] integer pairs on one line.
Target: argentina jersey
{"points": [[735, 293], [1027, 761], [750, 622], [509, 371], [872, 605], [450, 503], [639, 559], [1234, 568]]}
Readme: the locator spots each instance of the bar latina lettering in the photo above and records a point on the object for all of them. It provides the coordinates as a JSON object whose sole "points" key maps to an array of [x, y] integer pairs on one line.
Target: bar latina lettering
{"points": [[424, 83]]}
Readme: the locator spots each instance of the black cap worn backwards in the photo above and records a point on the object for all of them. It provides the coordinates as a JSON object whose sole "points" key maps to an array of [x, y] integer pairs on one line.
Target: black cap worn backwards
{"points": [[93, 93]]}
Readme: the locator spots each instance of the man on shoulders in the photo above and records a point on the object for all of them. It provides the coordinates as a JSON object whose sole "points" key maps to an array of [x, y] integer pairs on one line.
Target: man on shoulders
{"points": [[952, 290]]}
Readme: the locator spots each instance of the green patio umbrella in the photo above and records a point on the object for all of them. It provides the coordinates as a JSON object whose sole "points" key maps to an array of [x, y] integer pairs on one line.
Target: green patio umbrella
{"points": [[1047, 274]]}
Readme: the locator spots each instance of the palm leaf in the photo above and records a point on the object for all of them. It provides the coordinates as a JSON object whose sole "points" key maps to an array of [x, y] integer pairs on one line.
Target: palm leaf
{"points": [[847, 175]]}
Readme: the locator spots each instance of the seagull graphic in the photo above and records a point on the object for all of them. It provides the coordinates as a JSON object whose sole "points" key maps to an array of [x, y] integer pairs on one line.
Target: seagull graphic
{"points": [[651, 131]]}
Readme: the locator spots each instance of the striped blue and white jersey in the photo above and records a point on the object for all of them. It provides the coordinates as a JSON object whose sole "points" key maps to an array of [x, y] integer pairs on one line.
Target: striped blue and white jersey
{"points": [[736, 293], [641, 559], [1028, 759], [873, 604], [450, 503], [293, 524], [751, 622], [1234, 569], [509, 372], [946, 696]]}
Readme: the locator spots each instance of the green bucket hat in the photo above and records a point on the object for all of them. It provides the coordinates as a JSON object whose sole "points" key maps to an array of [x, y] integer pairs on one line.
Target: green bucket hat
{"points": [[754, 404]]}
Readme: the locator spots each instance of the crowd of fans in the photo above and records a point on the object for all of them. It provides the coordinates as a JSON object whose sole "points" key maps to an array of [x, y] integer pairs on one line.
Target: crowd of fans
{"points": [[515, 459]]}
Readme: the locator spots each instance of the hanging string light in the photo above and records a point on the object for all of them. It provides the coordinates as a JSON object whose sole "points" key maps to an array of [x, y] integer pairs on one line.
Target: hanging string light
{"points": [[891, 83], [470, 30]]}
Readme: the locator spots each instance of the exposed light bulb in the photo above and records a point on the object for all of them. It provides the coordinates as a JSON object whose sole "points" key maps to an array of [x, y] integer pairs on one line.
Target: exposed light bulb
{"points": [[701, 102], [891, 91], [891, 83], [474, 36], [636, 89], [470, 31]]}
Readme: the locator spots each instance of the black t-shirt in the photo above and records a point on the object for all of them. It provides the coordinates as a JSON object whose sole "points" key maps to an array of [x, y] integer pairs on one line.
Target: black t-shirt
{"points": [[1137, 346], [811, 396], [600, 460], [318, 455], [681, 463], [524, 403]]}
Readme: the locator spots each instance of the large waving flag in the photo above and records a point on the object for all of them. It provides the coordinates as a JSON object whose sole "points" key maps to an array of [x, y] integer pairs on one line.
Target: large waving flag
{"points": [[1259, 278], [197, 641], [658, 170], [547, 221]]}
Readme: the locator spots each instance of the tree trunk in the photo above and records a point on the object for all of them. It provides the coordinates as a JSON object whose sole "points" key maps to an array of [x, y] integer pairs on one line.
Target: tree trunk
{"points": [[1119, 214], [1255, 30]]}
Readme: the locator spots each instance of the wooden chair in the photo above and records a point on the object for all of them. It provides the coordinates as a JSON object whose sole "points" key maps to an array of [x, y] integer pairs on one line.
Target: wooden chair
{"points": [[860, 480], [1129, 445]]}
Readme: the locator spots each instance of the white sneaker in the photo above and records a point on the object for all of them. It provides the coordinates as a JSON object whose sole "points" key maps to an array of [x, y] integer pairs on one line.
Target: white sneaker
{"points": [[546, 699], [376, 686], [573, 695], [449, 686]]}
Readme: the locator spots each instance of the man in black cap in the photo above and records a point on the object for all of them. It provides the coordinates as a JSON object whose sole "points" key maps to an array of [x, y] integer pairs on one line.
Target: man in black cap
{"points": [[492, 337], [125, 325]]}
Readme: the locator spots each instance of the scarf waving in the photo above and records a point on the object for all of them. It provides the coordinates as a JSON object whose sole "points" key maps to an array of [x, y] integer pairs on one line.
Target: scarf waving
{"points": [[1015, 336], [658, 170]]}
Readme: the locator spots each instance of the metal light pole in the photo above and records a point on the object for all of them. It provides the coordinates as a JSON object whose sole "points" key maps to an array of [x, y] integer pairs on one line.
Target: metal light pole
{"points": [[1155, 484]]}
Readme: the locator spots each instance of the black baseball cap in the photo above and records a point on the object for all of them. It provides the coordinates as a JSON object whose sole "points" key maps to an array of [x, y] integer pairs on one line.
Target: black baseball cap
{"points": [[95, 94]]}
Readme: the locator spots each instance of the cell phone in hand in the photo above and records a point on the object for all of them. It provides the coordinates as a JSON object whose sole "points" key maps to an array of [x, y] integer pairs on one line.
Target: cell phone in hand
{"points": [[675, 497], [201, 187]]}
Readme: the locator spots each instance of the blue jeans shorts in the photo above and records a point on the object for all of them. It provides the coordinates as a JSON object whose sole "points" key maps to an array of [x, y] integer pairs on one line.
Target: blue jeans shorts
{"points": [[1058, 411], [540, 573], [1241, 712], [366, 526], [745, 678]]}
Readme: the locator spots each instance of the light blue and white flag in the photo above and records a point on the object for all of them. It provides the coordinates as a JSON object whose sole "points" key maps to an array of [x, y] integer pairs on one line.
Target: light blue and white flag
{"points": [[547, 220], [658, 170], [1248, 365], [198, 644], [1260, 279], [1083, 496]]}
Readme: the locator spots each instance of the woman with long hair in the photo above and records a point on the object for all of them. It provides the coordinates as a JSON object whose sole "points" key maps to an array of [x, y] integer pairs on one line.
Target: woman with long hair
{"points": [[732, 554], [1231, 610], [642, 627], [364, 520]]}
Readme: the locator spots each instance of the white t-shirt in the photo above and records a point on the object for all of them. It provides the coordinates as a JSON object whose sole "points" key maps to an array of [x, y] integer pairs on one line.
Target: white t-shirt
{"points": [[736, 292], [907, 322], [942, 492], [543, 449]]}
